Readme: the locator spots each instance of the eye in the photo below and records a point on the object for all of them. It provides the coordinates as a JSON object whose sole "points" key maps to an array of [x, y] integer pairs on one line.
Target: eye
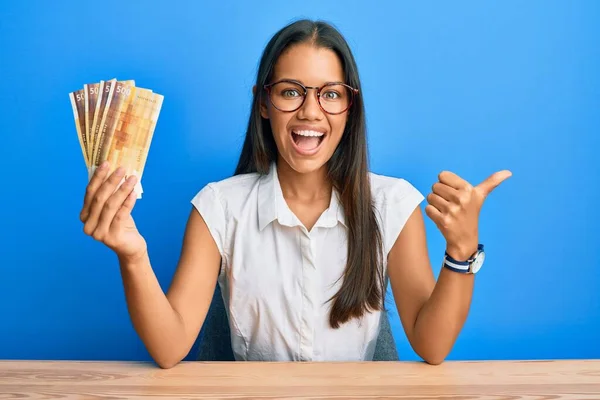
{"points": [[331, 95], [290, 93]]}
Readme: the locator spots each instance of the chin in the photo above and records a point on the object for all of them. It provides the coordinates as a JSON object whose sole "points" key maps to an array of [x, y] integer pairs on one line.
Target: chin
{"points": [[303, 165]]}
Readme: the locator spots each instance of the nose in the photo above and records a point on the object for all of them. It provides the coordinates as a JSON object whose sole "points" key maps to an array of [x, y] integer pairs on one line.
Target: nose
{"points": [[310, 110]]}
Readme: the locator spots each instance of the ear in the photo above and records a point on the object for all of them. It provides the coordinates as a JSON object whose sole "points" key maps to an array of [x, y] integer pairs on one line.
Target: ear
{"points": [[263, 106]]}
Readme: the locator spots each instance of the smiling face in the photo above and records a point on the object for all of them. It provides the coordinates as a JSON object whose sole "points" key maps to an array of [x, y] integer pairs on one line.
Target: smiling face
{"points": [[306, 138]]}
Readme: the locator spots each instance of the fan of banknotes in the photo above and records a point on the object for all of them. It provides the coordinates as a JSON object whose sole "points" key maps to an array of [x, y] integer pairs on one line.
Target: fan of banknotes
{"points": [[115, 121]]}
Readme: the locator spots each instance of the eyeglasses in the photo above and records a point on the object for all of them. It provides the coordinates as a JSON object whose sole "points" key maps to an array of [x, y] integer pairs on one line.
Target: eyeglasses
{"points": [[289, 95]]}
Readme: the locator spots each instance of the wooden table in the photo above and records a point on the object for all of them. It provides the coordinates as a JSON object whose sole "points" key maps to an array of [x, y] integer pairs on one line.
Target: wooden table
{"points": [[243, 380]]}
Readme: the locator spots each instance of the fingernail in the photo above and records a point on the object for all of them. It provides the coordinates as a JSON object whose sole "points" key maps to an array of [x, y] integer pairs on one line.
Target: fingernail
{"points": [[103, 165], [120, 171], [132, 179]]}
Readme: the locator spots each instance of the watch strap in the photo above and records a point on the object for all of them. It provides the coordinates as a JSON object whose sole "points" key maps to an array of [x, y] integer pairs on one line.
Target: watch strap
{"points": [[461, 266]]}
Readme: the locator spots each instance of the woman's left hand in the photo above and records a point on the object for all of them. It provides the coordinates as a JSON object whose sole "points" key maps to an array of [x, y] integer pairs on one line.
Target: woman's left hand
{"points": [[454, 206]]}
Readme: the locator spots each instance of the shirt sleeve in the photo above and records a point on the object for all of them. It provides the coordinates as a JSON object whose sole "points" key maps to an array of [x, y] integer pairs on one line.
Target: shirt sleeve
{"points": [[208, 204], [401, 199]]}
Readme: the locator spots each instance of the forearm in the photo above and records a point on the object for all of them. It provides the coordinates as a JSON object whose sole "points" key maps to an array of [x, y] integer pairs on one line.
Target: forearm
{"points": [[154, 319], [440, 310], [442, 317]]}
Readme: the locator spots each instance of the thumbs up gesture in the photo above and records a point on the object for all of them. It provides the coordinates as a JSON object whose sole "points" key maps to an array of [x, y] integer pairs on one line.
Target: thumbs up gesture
{"points": [[454, 206]]}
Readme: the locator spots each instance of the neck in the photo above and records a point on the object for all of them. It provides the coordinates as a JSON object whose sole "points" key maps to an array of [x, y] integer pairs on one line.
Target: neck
{"points": [[309, 186]]}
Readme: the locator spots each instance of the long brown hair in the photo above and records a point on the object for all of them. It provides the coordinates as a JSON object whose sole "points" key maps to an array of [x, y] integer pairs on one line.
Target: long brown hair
{"points": [[363, 285]]}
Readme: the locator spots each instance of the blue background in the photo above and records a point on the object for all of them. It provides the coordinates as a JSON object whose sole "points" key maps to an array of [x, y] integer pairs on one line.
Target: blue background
{"points": [[471, 87]]}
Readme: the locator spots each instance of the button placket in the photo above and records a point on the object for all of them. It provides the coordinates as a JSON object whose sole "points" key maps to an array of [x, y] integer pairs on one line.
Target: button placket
{"points": [[308, 300]]}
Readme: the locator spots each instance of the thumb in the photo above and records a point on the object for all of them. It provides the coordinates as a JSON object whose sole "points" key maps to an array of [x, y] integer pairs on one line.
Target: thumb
{"points": [[493, 181]]}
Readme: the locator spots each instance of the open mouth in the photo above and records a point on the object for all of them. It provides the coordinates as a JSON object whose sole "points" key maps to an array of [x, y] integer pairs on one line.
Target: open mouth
{"points": [[307, 141]]}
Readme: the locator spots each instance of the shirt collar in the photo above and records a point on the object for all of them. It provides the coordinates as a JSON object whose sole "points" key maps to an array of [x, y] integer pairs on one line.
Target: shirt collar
{"points": [[272, 205]]}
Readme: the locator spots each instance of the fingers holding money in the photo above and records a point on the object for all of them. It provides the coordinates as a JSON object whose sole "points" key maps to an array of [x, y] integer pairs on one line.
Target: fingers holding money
{"points": [[99, 190], [118, 201], [97, 179], [127, 207]]}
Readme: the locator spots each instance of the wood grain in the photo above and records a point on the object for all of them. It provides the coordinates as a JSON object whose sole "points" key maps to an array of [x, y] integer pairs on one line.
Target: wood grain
{"points": [[560, 379]]}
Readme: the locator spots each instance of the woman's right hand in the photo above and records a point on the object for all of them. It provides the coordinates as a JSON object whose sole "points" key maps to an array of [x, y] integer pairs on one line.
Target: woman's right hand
{"points": [[106, 213]]}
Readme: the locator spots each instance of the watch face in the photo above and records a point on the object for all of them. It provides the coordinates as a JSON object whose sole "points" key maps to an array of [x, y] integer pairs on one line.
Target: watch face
{"points": [[478, 262]]}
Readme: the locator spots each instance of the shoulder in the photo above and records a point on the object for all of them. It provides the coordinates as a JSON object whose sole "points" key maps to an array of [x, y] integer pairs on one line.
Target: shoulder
{"points": [[395, 199], [388, 189], [231, 189], [222, 202]]}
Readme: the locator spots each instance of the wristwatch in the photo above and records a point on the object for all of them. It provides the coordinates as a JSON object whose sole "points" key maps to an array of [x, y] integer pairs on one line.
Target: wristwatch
{"points": [[471, 266]]}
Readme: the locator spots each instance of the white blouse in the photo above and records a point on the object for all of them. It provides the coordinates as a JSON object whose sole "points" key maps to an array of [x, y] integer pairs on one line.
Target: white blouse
{"points": [[276, 276]]}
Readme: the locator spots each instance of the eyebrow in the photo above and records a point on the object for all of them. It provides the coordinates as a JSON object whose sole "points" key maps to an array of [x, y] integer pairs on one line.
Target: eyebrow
{"points": [[299, 81]]}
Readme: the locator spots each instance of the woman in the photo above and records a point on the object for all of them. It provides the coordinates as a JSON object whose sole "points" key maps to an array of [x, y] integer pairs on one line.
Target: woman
{"points": [[302, 237]]}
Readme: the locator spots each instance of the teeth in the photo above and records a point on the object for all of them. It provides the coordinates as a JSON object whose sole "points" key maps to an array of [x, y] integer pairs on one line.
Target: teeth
{"points": [[309, 133]]}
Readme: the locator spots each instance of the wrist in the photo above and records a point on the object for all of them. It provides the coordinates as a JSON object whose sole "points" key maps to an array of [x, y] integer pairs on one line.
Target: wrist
{"points": [[461, 252], [133, 261]]}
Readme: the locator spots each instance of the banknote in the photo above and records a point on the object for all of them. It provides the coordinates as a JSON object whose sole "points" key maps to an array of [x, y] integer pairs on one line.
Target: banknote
{"points": [[119, 147], [104, 97], [140, 146], [97, 116], [116, 141], [115, 122], [78, 104], [143, 139], [91, 98], [118, 93]]}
